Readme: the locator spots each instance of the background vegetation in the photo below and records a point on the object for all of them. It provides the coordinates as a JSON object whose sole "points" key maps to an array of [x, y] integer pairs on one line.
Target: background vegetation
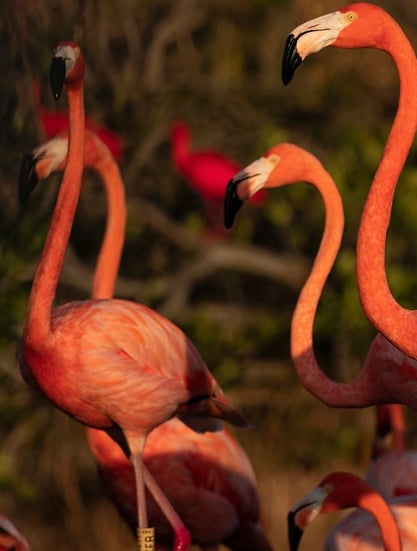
{"points": [[216, 65]]}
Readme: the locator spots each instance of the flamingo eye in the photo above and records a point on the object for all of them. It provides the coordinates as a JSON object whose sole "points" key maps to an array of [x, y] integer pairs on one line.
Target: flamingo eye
{"points": [[351, 16]]}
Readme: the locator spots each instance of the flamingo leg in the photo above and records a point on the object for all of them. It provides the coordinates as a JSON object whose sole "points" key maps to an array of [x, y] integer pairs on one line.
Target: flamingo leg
{"points": [[182, 538], [145, 537]]}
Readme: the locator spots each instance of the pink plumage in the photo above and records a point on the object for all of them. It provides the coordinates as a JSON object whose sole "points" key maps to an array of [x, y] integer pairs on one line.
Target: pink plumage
{"points": [[208, 479]]}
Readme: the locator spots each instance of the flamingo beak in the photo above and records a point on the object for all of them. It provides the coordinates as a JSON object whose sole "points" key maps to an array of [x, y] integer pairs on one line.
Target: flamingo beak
{"points": [[295, 533], [57, 75], [232, 203], [28, 178], [291, 59]]}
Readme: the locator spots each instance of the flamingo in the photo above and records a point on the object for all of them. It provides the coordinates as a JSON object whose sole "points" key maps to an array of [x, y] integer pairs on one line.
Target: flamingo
{"points": [[53, 122], [213, 471], [208, 478], [52, 156], [367, 25], [206, 171], [111, 364], [394, 529], [378, 382], [10, 537], [393, 472]]}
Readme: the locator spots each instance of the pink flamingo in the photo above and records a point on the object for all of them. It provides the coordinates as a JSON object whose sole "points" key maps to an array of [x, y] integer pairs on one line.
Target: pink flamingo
{"points": [[377, 382], [53, 122], [213, 471], [10, 537], [206, 171], [110, 364], [394, 529], [208, 478], [367, 25], [393, 472]]}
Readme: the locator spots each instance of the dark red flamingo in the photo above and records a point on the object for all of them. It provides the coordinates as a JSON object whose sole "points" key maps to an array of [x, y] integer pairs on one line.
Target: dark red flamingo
{"points": [[207, 172], [54, 122]]}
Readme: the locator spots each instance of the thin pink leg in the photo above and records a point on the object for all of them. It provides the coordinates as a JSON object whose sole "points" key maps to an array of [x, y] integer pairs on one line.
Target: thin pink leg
{"points": [[182, 538]]}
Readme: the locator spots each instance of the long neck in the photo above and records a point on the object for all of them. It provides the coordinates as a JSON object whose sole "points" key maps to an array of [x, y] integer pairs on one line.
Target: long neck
{"points": [[373, 503], [111, 249], [302, 351], [44, 286], [389, 317]]}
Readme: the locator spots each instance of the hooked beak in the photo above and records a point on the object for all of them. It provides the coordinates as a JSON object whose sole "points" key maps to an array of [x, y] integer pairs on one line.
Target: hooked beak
{"points": [[232, 202], [291, 59], [295, 533], [57, 75], [28, 178], [311, 37]]}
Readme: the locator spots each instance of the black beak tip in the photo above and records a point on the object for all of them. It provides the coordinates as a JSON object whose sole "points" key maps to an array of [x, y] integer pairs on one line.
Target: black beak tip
{"points": [[290, 61], [294, 532], [57, 75], [232, 204], [28, 179]]}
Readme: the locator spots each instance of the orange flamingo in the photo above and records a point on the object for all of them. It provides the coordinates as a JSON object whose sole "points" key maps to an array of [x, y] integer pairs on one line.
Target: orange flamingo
{"points": [[394, 529], [392, 472], [213, 471], [285, 164], [208, 478], [207, 172], [111, 364], [366, 25]]}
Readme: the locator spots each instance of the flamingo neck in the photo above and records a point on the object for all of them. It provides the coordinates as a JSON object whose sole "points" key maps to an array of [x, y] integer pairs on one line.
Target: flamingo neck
{"points": [[374, 504], [302, 351], [111, 249], [390, 318], [42, 295]]}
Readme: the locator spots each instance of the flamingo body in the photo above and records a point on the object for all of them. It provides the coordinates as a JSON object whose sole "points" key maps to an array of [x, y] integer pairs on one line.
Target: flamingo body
{"points": [[208, 479], [358, 531], [82, 355]]}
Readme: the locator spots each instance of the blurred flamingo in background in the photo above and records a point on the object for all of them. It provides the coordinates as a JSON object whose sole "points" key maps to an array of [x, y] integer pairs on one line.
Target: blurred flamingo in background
{"points": [[367, 25], [53, 122], [393, 472], [208, 478], [207, 172], [10, 537], [111, 364], [52, 156], [377, 525], [377, 382]]}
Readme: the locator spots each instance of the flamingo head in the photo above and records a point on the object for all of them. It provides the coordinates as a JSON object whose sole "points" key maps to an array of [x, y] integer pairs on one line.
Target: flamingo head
{"points": [[67, 67], [39, 163], [304, 512], [245, 184]]}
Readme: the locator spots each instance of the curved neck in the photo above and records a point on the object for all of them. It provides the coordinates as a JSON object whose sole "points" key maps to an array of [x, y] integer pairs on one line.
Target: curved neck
{"points": [[44, 286], [389, 317], [302, 351], [111, 249], [374, 504]]}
